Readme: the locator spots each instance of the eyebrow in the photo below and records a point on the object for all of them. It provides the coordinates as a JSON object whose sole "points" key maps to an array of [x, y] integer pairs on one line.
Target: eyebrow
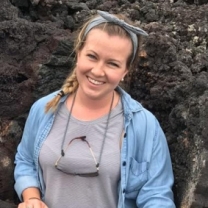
{"points": [[114, 60], [90, 50]]}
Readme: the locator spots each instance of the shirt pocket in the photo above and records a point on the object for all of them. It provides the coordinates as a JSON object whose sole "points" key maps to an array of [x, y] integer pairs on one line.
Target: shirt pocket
{"points": [[137, 176]]}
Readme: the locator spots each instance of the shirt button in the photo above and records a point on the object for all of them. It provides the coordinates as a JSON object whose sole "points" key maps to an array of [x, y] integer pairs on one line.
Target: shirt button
{"points": [[124, 190], [124, 163]]}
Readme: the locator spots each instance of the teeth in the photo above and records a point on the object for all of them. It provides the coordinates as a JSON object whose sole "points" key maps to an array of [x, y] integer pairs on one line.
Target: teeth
{"points": [[94, 81]]}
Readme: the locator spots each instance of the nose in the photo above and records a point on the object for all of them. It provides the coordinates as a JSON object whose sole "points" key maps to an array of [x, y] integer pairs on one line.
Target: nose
{"points": [[98, 69]]}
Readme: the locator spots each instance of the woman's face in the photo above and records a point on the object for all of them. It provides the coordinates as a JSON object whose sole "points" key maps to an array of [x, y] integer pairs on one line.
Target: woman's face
{"points": [[102, 63]]}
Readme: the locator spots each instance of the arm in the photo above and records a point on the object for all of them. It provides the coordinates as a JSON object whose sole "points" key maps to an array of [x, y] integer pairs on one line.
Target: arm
{"points": [[157, 191], [26, 176], [31, 197], [31, 193], [25, 172]]}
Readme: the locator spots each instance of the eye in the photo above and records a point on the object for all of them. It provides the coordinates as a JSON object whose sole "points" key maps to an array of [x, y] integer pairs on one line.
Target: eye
{"points": [[113, 64], [91, 56]]}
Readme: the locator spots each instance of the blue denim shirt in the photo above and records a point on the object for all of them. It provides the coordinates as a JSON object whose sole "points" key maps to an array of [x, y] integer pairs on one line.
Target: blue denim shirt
{"points": [[146, 170]]}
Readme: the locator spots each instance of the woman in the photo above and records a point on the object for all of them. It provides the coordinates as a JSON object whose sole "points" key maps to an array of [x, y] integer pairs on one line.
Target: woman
{"points": [[90, 144]]}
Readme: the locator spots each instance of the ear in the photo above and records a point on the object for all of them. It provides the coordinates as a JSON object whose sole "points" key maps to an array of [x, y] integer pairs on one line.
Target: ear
{"points": [[77, 56], [125, 73]]}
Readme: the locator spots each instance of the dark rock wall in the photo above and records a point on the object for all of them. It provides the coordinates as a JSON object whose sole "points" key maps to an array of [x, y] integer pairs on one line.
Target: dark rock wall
{"points": [[36, 40], [172, 81]]}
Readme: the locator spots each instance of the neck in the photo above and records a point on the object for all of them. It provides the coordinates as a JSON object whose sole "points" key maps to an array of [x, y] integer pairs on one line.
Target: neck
{"points": [[87, 109], [93, 103]]}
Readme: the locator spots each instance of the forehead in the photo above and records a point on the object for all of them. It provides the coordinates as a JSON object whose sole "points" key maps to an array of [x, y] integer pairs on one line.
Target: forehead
{"points": [[100, 38], [110, 31]]}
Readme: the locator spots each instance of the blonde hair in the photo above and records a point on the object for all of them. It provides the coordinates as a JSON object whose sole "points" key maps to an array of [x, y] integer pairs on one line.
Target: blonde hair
{"points": [[71, 83]]}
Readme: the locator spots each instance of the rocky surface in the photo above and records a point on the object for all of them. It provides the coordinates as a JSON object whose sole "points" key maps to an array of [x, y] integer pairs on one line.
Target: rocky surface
{"points": [[5, 204], [36, 39]]}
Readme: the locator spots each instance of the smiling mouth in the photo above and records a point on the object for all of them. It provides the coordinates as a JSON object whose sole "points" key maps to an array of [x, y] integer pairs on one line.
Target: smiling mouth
{"points": [[95, 81]]}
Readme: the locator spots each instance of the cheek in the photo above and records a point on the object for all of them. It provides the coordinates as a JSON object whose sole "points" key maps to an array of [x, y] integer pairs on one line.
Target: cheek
{"points": [[83, 65], [115, 77], [80, 71], [81, 68]]}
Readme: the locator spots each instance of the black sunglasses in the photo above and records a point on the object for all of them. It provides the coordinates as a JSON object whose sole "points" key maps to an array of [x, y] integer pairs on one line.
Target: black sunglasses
{"points": [[90, 174]]}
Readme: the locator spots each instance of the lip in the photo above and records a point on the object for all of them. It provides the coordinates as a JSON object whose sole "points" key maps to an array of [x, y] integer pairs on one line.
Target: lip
{"points": [[92, 81]]}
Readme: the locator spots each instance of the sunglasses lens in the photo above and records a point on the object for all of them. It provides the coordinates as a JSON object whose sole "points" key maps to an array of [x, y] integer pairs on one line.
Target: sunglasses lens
{"points": [[81, 163]]}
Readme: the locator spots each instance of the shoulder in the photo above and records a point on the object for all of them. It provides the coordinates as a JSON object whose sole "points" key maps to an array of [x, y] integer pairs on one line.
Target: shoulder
{"points": [[44, 100], [37, 110], [133, 108], [147, 115]]}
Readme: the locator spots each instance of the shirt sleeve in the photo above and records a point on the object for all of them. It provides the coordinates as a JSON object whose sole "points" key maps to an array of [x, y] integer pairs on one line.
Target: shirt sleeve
{"points": [[157, 191], [25, 173]]}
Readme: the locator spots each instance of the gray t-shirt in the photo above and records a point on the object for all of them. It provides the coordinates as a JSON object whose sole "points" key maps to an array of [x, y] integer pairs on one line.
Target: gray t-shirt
{"points": [[69, 191]]}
